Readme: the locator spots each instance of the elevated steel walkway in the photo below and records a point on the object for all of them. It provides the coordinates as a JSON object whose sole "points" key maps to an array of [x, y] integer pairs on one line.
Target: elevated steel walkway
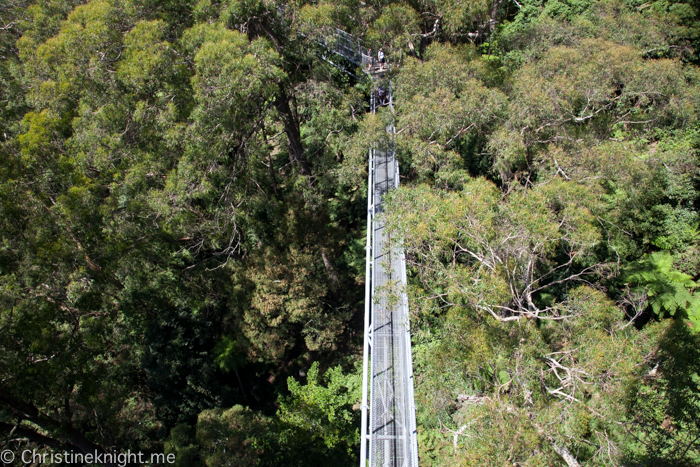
{"points": [[352, 49], [388, 433]]}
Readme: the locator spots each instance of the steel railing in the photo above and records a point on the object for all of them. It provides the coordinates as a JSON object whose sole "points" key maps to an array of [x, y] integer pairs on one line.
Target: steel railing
{"points": [[388, 430]]}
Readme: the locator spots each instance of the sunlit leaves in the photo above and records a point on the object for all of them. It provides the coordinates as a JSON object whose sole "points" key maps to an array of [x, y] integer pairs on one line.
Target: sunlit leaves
{"points": [[147, 59], [439, 102], [583, 92], [80, 58], [324, 411], [396, 29], [489, 253], [668, 290]]}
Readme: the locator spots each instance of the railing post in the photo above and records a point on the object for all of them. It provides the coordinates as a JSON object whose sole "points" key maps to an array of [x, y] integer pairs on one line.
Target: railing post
{"points": [[373, 273], [365, 351]]}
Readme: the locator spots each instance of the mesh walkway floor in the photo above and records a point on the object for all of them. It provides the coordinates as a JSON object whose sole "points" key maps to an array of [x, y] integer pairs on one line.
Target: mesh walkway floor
{"points": [[389, 429], [392, 426]]}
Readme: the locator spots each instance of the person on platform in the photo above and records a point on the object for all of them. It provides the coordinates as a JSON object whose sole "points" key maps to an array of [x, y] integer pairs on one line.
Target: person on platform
{"points": [[380, 57], [381, 94]]}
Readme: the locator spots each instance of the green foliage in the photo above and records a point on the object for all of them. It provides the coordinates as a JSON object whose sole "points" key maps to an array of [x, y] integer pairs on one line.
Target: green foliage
{"points": [[539, 385], [232, 437], [316, 420], [591, 195], [507, 251], [144, 186], [148, 60], [324, 413], [664, 403], [440, 102], [179, 367], [182, 202], [667, 290]]}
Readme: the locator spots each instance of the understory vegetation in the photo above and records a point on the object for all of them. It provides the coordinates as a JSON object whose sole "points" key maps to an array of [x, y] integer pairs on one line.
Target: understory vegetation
{"points": [[182, 213]]}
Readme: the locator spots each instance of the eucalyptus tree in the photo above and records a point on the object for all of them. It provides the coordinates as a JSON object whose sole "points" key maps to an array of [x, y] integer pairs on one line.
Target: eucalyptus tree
{"points": [[151, 210], [536, 289]]}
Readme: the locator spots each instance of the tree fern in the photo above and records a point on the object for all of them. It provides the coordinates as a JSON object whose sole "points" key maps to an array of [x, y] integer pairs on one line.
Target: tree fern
{"points": [[667, 289]]}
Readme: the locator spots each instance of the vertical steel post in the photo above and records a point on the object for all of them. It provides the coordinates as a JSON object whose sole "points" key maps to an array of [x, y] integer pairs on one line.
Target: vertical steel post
{"points": [[370, 434], [365, 351], [391, 96], [410, 388]]}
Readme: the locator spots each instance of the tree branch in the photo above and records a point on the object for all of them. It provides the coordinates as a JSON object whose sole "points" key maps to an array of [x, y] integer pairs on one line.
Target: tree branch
{"points": [[564, 453], [67, 435]]}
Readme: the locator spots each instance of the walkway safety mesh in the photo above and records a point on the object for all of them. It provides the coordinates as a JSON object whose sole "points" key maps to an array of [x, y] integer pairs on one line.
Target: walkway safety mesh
{"points": [[389, 422]]}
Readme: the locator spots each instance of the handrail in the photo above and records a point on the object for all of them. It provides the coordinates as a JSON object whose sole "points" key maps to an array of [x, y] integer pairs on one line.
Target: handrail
{"points": [[368, 298], [351, 48]]}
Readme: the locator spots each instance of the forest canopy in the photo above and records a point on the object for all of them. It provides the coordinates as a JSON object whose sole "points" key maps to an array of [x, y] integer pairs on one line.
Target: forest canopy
{"points": [[182, 213]]}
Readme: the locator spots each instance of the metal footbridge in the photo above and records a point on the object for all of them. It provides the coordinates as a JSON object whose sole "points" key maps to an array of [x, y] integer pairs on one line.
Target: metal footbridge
{"points": [[388, 432], [389, 422]]}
